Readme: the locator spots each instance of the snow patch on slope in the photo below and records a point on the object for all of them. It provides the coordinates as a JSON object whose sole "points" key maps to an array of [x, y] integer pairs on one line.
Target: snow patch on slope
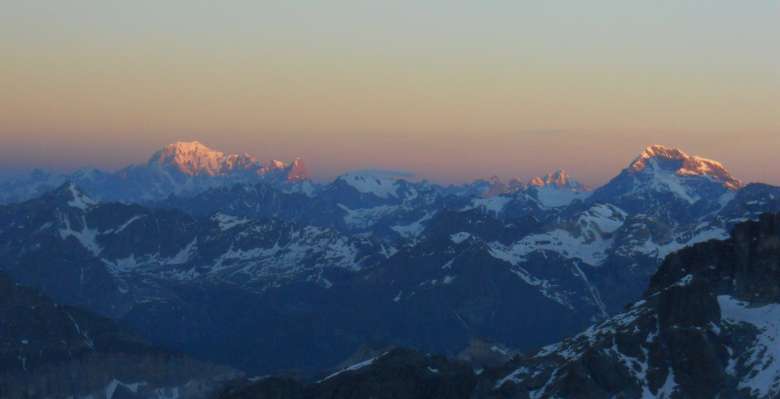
{"points": [[86, 237], [562, 242], [379, 183], [545, 287], [589, 242], [414, 229], [124, 225], [458, 238], [763, 360], [79, 200], [603, 218], [680, 241], [354, 367], [227, 222]]}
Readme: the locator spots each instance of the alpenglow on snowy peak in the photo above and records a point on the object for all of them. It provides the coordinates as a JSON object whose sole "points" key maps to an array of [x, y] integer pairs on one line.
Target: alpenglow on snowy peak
{"points": [[181, 168], [557, 179], [662, 157], [194, 158]]}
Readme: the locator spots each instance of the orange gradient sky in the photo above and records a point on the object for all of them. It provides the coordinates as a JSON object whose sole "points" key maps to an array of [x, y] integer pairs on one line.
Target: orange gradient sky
{"points": [[450, 90]]}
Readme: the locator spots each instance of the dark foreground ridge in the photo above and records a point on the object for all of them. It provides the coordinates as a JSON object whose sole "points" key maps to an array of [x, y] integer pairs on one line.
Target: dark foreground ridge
{"points": [[53, 351], [398, 373]]}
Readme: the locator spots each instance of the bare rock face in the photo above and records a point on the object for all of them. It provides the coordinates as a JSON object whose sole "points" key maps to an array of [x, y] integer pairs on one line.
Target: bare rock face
{"points": [[53, 351], [706, 327]]}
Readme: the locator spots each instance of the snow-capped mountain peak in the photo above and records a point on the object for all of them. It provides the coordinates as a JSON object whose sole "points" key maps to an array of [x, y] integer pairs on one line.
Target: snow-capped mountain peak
{"points": [[194, 158], [557, 179], [180, 168], [557, 189], [662, 157], [298, 170], [657, 151], [660, 174]]}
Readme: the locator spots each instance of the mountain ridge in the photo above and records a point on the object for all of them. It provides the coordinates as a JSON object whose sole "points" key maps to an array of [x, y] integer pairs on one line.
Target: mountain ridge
{"points": [[421, 255], [54, 351], [190, 167], [180, 168], [706, 327]]}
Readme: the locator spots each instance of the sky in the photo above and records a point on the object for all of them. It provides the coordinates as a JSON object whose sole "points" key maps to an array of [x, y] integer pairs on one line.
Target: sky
{"points": [[450, 90]]}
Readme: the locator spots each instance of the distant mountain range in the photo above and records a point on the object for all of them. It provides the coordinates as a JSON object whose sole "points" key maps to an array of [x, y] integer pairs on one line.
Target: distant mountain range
{"points": [[181, 168], [189, 168], [254, 266]]}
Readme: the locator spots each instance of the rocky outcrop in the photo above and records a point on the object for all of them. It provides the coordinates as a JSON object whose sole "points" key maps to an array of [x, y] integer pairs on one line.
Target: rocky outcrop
{"points": [[705, 328]]}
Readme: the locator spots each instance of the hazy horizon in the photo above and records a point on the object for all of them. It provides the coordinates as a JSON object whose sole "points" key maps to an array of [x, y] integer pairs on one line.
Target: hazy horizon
{"points": [[511, 89], [10, 172]]}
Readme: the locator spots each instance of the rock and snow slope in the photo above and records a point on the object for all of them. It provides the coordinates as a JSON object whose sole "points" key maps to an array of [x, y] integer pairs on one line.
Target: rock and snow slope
{"points": [[120, 249], [417, 254], [707, 327]]}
